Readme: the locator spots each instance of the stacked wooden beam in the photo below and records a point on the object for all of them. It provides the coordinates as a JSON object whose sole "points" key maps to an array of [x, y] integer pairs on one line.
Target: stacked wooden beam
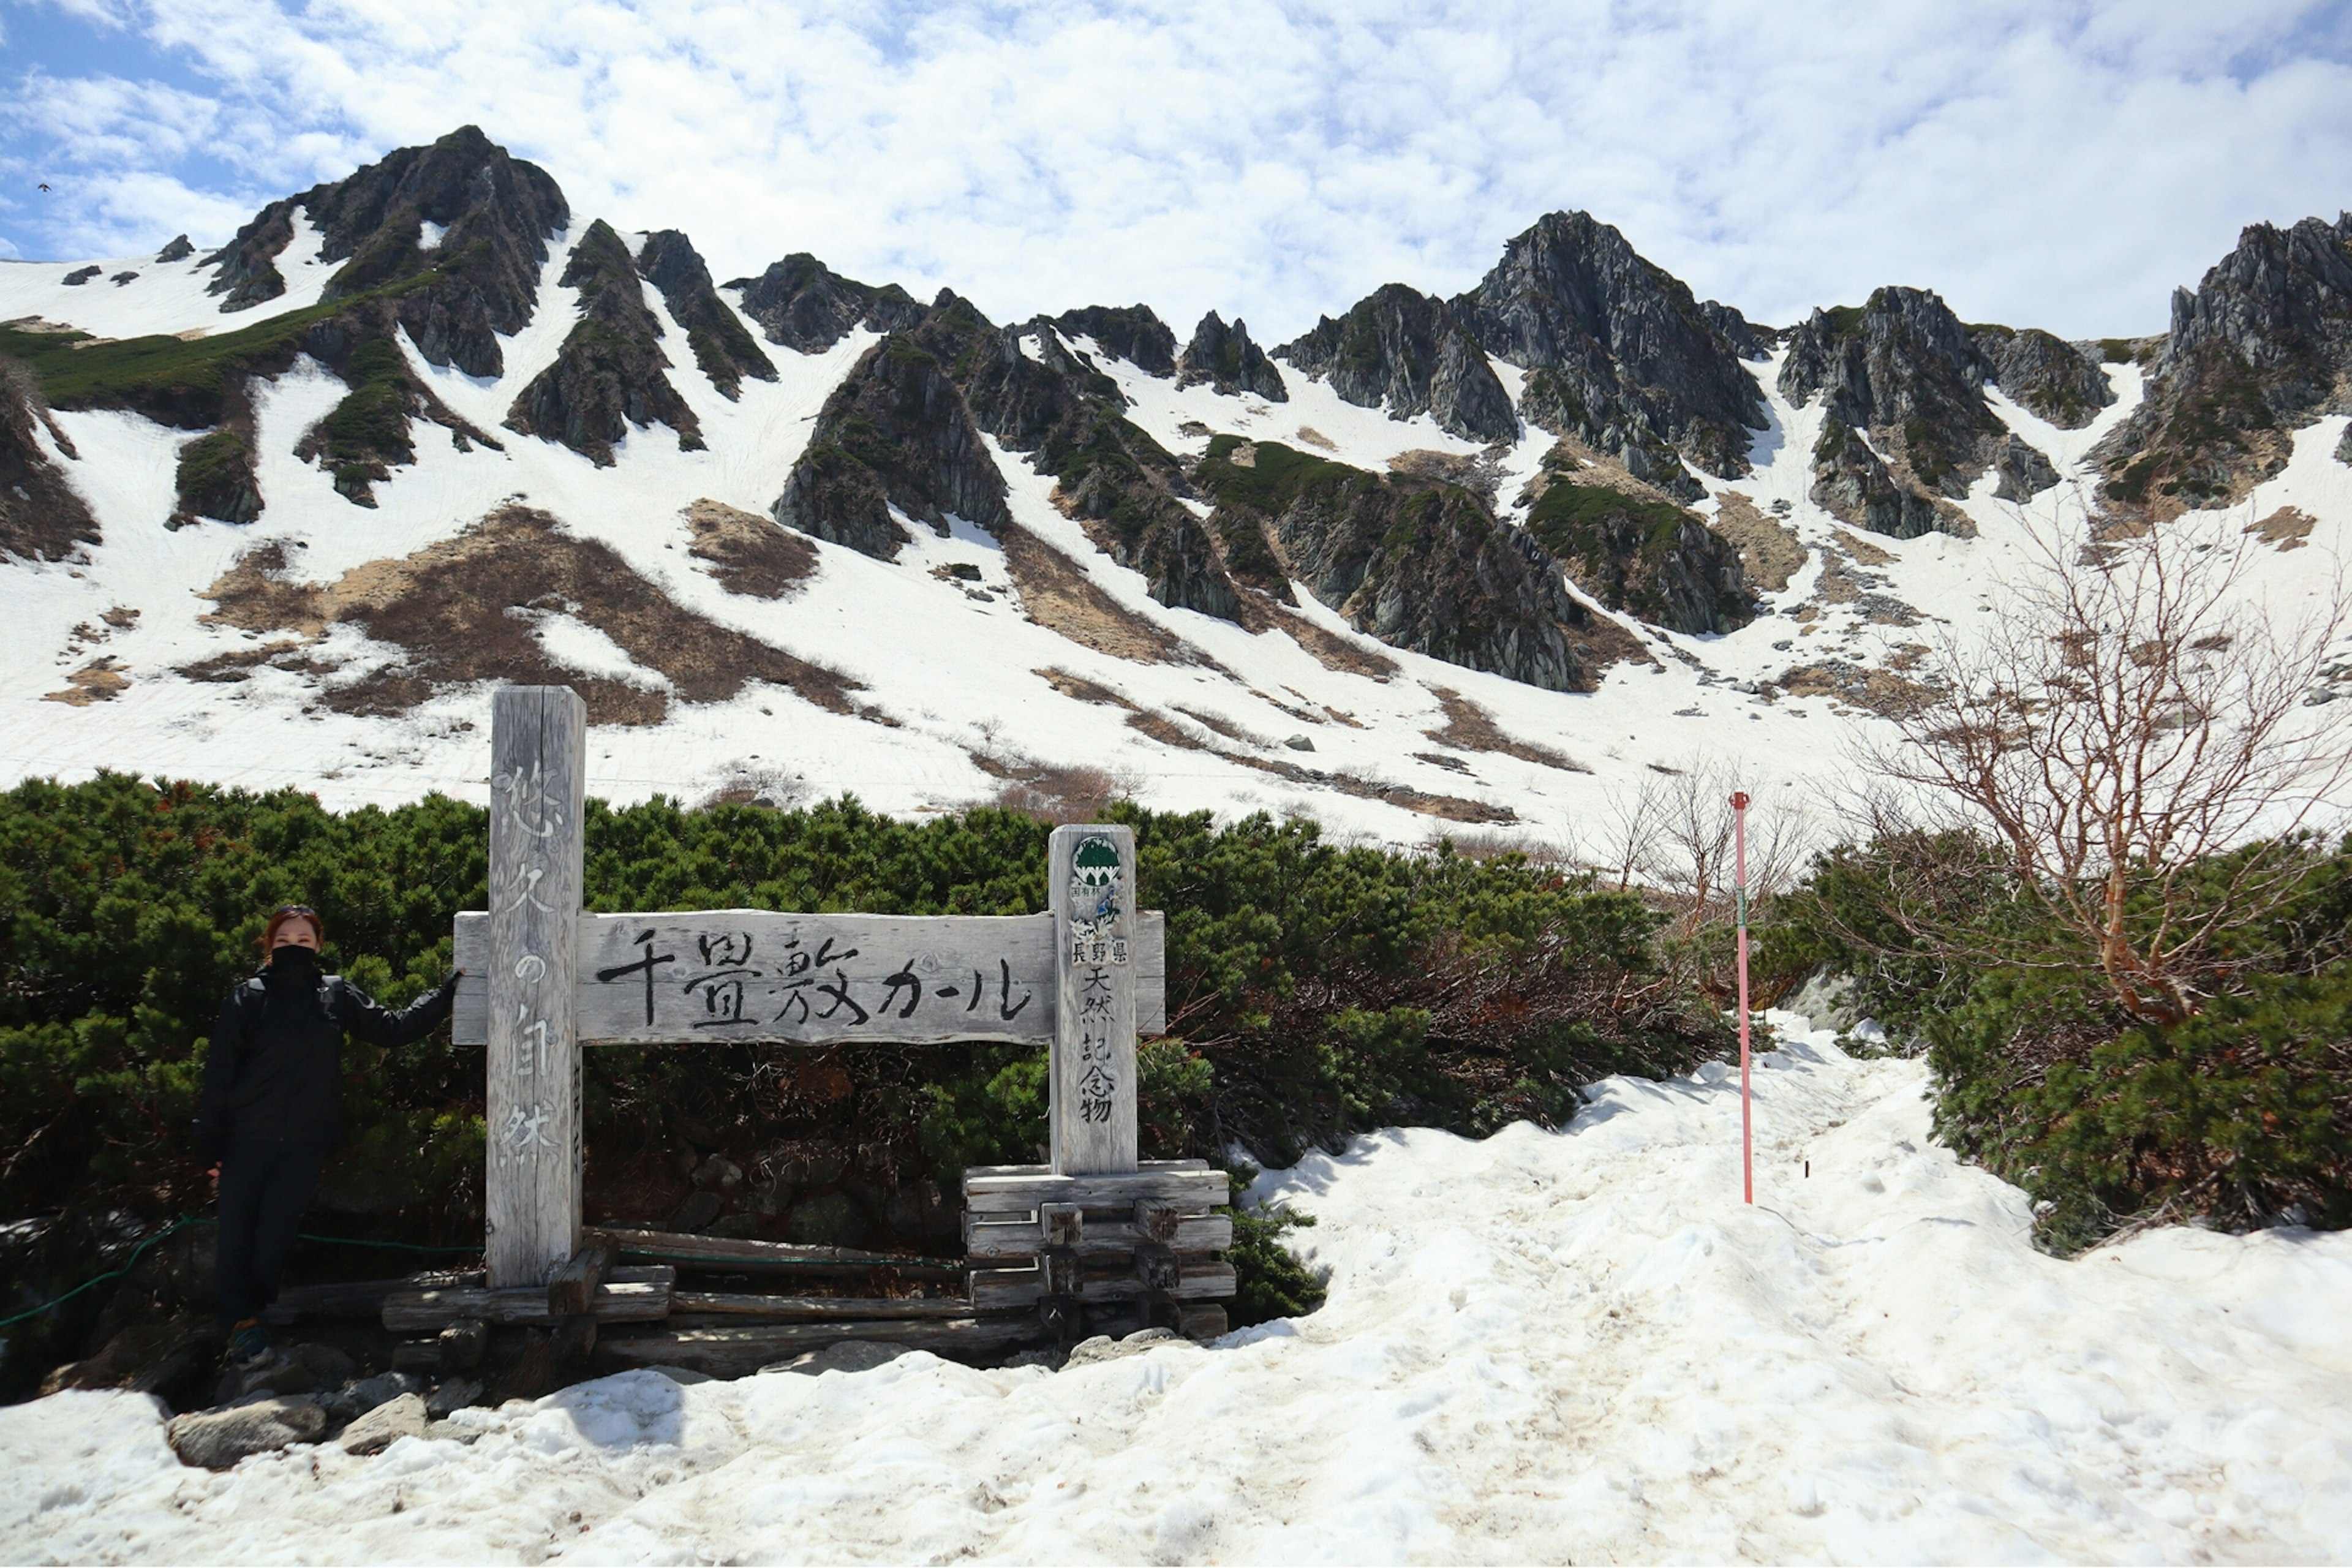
{"points": [[1144, 1238]]}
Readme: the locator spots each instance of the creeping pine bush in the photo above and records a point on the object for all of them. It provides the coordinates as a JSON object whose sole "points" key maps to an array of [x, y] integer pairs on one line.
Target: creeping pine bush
{"points": [[2241, 1115], [1313, 991]]}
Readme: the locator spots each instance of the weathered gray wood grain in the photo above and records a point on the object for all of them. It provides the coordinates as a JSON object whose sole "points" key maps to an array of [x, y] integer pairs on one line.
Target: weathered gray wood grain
{"points": [[736, 1254], [613, 1012], [631, 1295], [1090, 886], [812, 1308], [538, 773], [1021, 1189], [1022, 1238], [734, 1352], [995, 1290]]}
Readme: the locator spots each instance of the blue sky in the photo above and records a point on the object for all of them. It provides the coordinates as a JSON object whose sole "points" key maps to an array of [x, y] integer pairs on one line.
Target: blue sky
{"points": [[2038, 163]]}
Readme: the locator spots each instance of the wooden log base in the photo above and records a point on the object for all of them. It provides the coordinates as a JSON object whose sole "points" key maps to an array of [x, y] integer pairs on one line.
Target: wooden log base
{"points": [[737, 1352], [814, 1309], [629, 1295], [730, 1255], [1007, 1190], [357, 1297], [996, 1290], [573, 1286]]}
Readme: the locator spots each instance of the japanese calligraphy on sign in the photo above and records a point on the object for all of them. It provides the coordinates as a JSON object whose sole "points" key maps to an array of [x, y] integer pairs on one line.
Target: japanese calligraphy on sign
{"points": [[1094, 1068], [751, 974]]}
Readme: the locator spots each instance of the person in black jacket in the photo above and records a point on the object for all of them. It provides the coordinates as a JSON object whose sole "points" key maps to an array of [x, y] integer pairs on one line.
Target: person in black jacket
{"points": [[272, 1105]]}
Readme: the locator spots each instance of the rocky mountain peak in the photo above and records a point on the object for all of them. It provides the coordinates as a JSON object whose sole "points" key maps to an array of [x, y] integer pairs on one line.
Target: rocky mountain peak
{"points": [[490, 218], [725, 350], [2257, 351], [1408, 350], [1133, 332], [607, 378], [1619, 353], [1224, 357], [807, 306], [1903, 384]]}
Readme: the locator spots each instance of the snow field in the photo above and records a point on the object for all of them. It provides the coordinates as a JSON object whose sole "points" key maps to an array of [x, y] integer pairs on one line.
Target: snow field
{"points": [[1544, 1346]]}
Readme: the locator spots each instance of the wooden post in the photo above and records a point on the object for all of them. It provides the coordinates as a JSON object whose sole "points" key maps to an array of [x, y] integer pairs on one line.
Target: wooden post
{"points": [[531, 1194], [1090, 884]]}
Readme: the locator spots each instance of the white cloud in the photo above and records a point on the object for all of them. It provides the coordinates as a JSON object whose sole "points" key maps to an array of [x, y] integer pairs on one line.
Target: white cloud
{"points": [[2062, 165]]}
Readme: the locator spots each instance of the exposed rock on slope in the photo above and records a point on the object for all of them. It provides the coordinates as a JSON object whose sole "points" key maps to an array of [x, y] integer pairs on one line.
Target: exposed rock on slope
{"points": [[1224, 357], [1132, 332], [247, 267], [496, 214], [807, 306], [1903, 369], [1640, 555], [2263, 347], [41, 517], [1619, 353], [2052, 378], [1420, 565], [1406, 350], [723, 346], [893, 433], [607, 377]]}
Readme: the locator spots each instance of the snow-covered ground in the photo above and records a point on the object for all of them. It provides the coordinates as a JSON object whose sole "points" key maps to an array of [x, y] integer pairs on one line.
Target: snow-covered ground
{"points": [[1570, 1346]]}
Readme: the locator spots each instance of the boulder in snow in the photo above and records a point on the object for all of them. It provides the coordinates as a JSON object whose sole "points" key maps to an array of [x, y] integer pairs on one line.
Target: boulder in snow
{"points": [[217, 1440]]}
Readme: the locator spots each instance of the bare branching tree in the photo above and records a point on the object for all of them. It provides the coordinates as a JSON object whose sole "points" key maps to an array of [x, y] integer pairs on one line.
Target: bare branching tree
{"points": [[2132, 730], [1672, 838]]}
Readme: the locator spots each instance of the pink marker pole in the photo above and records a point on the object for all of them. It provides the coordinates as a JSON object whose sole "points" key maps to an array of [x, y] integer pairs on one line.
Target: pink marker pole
{"points": [[1739, 886]]}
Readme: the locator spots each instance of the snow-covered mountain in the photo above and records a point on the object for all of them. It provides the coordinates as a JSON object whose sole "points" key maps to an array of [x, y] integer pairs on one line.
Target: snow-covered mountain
{"points": [[280, 511]]}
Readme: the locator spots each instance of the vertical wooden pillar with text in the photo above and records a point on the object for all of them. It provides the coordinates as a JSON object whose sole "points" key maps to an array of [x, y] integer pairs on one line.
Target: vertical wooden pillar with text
{"points": [[531, 1192], [1090, 885]]}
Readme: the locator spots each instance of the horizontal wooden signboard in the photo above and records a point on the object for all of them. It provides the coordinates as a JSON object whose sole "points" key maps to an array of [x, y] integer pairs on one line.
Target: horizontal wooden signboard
{"points": [[700, 975]]}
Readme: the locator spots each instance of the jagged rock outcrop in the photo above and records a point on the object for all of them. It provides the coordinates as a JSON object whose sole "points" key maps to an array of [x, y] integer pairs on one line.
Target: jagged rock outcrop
{"points": [[1420, 565], [493, 215], [608, 376], [42, 518], [1224, 357], [1750, 341], [1852, 483], [1645, 556], [2045, 374], [807, 306], [2262, 347], [179, 250], [247, 267], [1406, 350], [723, 345], [1030, 390], [371, 432], [2024, 471], [1903, 368], [1618, 353], [496, 214], [893, 433], [1132, 332]]}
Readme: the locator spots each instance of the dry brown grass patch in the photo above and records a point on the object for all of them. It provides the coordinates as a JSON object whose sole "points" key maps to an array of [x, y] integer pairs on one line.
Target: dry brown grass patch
{"points": [[461, 611], [749, 554]]}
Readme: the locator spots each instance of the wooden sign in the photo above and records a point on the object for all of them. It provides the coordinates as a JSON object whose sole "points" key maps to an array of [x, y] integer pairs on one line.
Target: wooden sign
{"points": [[1090, 881], [693, 977], [538, 766], [542, 978]]}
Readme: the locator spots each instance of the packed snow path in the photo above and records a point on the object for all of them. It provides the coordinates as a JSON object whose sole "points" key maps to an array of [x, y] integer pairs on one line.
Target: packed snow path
{"points": [[1540, 1347]]}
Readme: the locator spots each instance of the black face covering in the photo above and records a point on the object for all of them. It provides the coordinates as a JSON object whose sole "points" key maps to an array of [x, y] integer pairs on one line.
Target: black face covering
{"points": [[291, 966]]}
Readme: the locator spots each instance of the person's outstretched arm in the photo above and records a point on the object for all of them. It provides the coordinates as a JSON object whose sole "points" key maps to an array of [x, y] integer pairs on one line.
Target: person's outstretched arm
{"points": [[356, 1010]]}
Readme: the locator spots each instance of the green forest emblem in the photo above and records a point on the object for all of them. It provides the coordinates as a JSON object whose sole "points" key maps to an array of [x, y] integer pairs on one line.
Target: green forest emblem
{"points": [[1096, 899]]}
